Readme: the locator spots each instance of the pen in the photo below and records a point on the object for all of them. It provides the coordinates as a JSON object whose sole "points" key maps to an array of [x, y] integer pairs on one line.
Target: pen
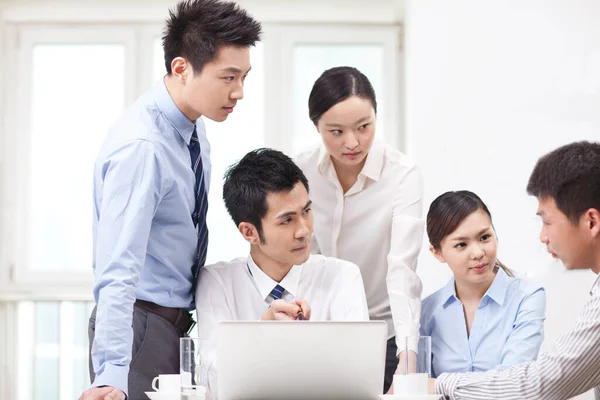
{"points": [[300, 314]]}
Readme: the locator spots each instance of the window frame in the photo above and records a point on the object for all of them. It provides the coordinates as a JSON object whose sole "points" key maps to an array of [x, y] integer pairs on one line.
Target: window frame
{"points": [[279, 45], [16, 142]]}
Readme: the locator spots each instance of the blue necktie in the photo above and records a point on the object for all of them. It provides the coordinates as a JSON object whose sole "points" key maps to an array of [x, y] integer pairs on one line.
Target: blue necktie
{"points": [[201, 207], [277, 292]]}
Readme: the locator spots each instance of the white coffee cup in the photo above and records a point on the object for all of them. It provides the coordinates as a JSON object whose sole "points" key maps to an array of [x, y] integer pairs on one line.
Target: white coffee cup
{"points": [[411, 384], [167, 383]]}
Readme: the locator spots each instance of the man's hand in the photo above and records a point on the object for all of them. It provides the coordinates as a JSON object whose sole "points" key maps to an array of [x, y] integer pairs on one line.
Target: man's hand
{"points": [[280, 310], [305, 308], [432, 386], [103, 393]]}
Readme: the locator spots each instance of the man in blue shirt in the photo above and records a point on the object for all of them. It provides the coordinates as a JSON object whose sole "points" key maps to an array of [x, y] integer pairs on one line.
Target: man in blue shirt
{"points": [[151, 181]]}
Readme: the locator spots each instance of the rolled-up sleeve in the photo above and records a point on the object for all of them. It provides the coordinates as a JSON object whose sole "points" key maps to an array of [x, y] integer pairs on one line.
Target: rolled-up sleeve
{"points": [[404, 286], [132, 183]]}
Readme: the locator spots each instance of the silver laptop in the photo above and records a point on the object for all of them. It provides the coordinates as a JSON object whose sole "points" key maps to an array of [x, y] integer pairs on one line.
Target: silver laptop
{"points": [[301, 360]]}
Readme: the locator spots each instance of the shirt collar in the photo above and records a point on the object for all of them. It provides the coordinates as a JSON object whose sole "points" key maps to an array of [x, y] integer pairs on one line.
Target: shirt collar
{"points": [[496, 291], [448, 293], [498, 288], [167, 106], [373, 163], [324, 160], [265, 284]]}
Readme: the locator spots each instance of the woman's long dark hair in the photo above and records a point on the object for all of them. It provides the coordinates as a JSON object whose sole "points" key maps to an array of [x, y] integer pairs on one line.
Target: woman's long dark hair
{"points": [[448, 211]]}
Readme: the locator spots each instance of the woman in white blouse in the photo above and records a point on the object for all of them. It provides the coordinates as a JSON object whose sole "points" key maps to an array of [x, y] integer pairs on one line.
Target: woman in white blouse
{"points": [[367, 202]]}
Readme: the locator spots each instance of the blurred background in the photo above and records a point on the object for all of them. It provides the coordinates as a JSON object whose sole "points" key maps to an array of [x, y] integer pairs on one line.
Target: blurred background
{"points": [[474, 91]]}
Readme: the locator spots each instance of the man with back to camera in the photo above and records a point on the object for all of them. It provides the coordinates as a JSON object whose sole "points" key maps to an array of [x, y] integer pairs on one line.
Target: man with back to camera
{"points": [[151, 183], [566, 183]]}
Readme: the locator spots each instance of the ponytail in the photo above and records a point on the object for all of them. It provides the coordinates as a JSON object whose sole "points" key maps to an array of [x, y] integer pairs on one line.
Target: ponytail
{"points": [[506, 270]]}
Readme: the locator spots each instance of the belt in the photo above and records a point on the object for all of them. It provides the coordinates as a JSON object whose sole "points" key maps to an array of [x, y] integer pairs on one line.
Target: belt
{"points": [[179, 317]]}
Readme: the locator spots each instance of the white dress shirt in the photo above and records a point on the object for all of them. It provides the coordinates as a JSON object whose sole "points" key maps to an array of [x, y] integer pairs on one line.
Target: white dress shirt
{"points": [[240, 291], [573, 368], [377, 225]]}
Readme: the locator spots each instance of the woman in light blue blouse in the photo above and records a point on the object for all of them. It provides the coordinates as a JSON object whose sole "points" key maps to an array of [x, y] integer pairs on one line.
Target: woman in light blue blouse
{"points": [[484, 318]]}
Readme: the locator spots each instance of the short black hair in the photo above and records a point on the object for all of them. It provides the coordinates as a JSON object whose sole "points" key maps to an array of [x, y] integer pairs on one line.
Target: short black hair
{"points": [[571, 176], [196, 29], [336, 85], [250, 180]]}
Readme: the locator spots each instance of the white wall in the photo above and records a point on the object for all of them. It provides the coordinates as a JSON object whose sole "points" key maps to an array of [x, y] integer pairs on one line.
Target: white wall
{"points": [[491, 86]]}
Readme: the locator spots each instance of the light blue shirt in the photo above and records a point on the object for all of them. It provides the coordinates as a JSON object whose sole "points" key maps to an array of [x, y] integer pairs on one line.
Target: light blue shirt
{"points": [[508, 327], [144, 237]]}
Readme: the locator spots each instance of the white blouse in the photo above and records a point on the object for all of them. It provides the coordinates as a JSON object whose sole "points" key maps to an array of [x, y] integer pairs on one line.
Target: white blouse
{"points": [[376, 225]]}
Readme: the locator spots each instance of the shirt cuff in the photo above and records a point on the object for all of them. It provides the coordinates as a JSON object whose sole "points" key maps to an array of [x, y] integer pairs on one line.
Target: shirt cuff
{"points": [[446, 385], [401, 335], [113, 375]]}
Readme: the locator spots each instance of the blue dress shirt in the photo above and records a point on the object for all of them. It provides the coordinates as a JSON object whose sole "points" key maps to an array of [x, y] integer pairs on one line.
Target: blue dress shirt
{"points": [[144, 237], [508, 327]]}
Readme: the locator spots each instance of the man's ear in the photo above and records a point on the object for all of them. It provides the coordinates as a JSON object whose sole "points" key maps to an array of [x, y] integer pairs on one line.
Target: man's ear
{"points": [[591, 220], [437, 254], [180, 68], [249, 232]]}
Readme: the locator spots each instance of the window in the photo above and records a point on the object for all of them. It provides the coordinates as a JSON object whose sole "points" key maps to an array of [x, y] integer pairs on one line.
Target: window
{"points": [[72, 85], [299, 55], [309, 60], [52, 349], [229, 141], [71, 111]]}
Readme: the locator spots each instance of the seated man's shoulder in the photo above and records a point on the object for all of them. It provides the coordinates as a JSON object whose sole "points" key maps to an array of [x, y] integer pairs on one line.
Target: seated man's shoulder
{"points": [[218, 278], [225, 269]]}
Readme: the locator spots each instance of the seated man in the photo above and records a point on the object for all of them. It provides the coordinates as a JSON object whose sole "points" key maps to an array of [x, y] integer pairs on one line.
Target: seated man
{"points": [[266, 195]]}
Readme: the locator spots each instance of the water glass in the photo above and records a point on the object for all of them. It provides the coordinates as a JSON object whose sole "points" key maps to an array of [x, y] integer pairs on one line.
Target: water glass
{"points": [[192, 370], [415, 367]]}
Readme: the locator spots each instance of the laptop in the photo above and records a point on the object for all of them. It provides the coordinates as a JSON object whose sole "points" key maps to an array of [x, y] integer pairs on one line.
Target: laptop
{"points": [[274, 360]]}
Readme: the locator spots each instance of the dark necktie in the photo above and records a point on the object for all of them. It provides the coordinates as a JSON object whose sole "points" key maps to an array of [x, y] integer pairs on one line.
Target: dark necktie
{"points": [[277, 292], [201, 205]]}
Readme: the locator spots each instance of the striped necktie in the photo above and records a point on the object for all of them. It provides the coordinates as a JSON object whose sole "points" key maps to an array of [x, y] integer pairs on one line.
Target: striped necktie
{"points": [[201, 205], [277, 292]]}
